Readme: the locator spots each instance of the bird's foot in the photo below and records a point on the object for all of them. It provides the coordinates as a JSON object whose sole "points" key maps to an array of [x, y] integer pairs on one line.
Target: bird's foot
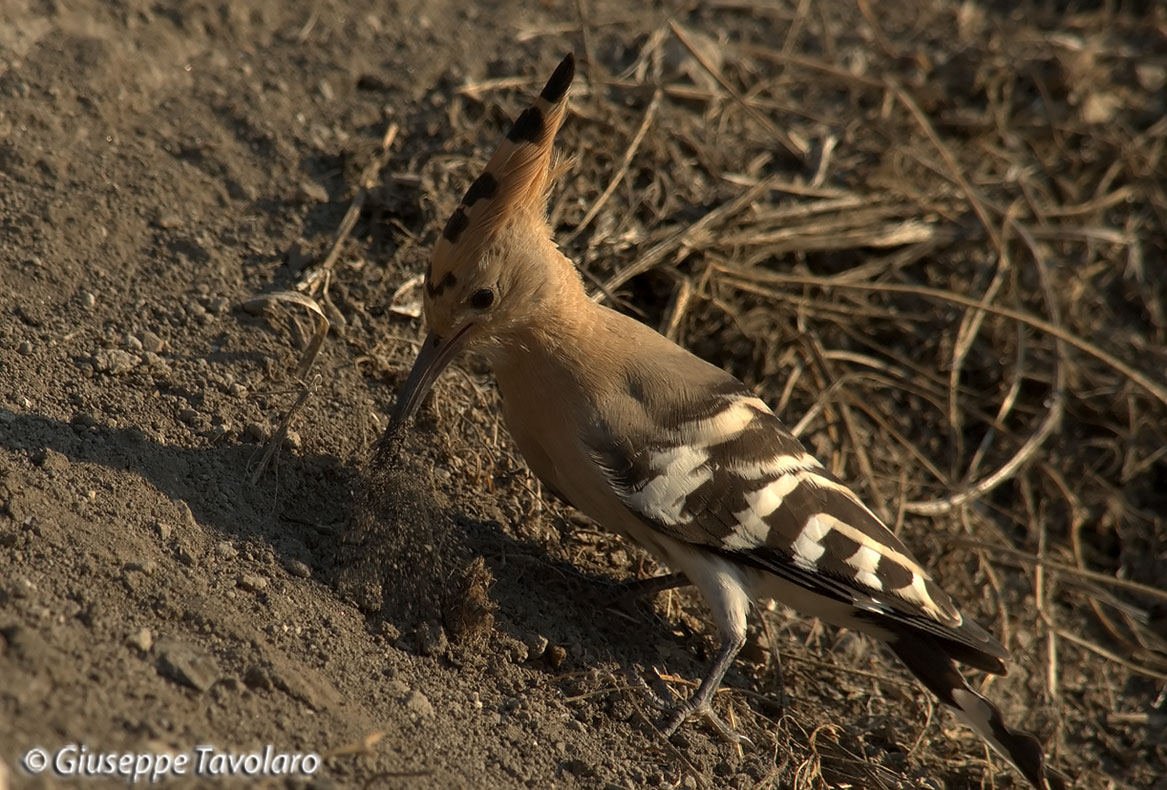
{"points": [[678, 712], [690, 709]]}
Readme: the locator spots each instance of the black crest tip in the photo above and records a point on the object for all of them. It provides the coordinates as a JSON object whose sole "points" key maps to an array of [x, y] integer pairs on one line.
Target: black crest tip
{"points": [[560, 81]]}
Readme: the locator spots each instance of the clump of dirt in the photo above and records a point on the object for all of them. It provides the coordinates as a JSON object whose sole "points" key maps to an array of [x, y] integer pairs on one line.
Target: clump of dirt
{"points": [[402, 558]]}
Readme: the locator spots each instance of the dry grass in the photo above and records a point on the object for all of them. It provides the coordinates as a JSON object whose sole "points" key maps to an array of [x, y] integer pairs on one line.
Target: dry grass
{"points": [[932, 238]]}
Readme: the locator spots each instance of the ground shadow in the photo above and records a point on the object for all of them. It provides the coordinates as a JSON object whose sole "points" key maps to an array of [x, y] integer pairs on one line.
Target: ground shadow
{"points": [[379, 537], [299, 506]]}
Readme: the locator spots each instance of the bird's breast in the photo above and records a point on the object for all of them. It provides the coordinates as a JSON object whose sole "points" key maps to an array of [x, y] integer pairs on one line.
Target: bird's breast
{"points": [[546, 422]]}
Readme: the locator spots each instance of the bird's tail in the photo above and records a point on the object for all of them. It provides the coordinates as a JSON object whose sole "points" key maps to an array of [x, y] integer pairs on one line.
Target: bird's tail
{"points": [[936, 670]]}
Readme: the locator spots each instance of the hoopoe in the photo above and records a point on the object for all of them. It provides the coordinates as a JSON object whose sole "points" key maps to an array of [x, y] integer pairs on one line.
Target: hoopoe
{"points": [[674, 453]]}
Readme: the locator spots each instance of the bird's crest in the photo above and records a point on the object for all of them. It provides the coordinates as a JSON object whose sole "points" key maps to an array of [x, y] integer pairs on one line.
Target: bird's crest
{"points": [[514, 182]]}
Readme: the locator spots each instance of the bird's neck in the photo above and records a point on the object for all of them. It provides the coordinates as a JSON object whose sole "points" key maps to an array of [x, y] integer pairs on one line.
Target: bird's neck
{"points": [[562, 339]]}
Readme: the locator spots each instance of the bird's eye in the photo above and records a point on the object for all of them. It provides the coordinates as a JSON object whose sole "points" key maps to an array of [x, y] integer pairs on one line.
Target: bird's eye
{"points": [[482, 298]]}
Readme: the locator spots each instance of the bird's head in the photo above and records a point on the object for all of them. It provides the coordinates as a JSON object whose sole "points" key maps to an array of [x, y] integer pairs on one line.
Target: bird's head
{"points": [[489, 271]]}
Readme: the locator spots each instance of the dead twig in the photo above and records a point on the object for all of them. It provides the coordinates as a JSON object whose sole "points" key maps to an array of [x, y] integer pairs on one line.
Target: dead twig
{"points": [[1085, 644], [1105, 579], [1048, 425], [621, 171], [1158, 391], [281, 433], [678, 238], [259, 303], [797, 148], [307, 358], [318, 274]]}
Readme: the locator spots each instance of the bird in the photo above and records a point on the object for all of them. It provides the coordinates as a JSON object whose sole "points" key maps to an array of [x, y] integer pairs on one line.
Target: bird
{"points": [[673, 452]]}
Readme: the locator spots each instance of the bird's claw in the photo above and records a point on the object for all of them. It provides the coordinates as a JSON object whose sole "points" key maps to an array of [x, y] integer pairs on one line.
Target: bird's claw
{"points": [[688, 709]]}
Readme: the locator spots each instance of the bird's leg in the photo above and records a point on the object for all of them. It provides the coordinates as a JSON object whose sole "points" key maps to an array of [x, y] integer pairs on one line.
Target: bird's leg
{"points": [[699, 703], [635, 589]]}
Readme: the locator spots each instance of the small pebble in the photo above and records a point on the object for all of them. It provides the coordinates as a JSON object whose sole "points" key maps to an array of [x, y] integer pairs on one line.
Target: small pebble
{"points": [[297, 568], [311, 192], [88, 300], [146, 566], [50, 460], [151, 342], [185, 513], [419, 704], [225, 551], [25, 348], [555, 656], [143, 640], [133, 343], [242, 191], [168, 220], [163, 529], [536, 645], [115, 361], [256, 677], [517, 652], [251, 582], [188, 665], [431, 639]]}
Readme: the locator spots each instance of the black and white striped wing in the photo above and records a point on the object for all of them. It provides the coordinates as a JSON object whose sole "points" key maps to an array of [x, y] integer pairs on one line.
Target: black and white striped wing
{"points": [[726, 475]]}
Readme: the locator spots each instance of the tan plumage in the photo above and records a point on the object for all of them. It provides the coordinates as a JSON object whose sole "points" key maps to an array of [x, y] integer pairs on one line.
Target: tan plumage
{"points": [[673, 452], [512, 185]]}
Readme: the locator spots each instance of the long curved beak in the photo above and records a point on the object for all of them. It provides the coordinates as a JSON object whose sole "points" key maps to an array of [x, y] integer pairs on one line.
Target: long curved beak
{"points": [[433, 358]]}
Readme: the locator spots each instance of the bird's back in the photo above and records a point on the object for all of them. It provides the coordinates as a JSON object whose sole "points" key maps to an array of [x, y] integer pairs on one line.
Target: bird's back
{"points": [[653, 442]]}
